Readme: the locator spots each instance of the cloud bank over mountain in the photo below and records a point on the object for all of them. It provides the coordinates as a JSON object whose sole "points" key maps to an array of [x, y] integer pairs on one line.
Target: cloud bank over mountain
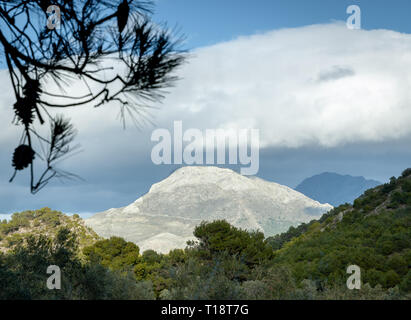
{"points": [[315, 86]]}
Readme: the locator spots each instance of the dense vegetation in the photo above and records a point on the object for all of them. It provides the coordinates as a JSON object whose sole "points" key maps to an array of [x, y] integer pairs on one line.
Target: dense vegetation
{"points": [[23, 273], [46, 222], [307, 262]]}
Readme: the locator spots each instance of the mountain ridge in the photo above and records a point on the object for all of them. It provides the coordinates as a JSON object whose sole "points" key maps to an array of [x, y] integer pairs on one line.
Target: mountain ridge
{"points": [[335, 188], [191, 195]]}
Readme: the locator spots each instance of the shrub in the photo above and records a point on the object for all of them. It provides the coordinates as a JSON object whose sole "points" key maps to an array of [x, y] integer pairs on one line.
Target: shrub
{"points": [[406, 173]]}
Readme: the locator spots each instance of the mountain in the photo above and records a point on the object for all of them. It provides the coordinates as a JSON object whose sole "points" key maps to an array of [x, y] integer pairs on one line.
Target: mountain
{"points": [[165, 217], [334, 188]]}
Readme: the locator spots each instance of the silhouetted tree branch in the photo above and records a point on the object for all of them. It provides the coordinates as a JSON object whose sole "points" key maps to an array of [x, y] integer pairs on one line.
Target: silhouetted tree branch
{"points": [[111, 48]]}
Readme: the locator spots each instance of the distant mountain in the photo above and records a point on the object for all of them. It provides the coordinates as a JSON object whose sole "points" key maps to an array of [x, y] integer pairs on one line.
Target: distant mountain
{"points": [[165, 217], [334, 188]]}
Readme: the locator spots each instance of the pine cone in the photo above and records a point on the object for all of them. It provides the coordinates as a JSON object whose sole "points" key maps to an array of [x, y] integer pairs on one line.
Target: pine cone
{"points": [[24, 110], [23, 156]]}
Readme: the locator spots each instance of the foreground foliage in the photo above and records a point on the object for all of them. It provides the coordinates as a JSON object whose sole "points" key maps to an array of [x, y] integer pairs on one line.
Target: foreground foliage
{"points": [[307, 262]]}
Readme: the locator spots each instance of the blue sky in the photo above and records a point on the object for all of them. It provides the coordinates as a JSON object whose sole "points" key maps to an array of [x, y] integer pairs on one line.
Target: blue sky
{"points": [[207, 22], [324, 98]]}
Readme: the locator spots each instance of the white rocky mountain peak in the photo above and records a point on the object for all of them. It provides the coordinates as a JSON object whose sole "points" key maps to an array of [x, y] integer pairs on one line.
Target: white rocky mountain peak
{"points": [[165, 217]]}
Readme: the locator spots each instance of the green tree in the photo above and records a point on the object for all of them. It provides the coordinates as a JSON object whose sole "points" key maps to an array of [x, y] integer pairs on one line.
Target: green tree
{"points": [[114, 253], [219, 236]]}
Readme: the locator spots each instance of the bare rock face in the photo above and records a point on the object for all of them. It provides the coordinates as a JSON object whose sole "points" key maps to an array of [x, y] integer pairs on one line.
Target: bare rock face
{"points": [[165, 217]]}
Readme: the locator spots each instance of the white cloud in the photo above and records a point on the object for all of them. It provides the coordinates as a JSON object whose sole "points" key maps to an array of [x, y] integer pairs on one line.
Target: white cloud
{"points": [[315, 85], [5, 216], [272, 82]]}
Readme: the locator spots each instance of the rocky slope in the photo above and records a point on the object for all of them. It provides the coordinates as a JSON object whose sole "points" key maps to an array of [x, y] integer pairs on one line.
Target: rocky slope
{"points": [[165, 217]]}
